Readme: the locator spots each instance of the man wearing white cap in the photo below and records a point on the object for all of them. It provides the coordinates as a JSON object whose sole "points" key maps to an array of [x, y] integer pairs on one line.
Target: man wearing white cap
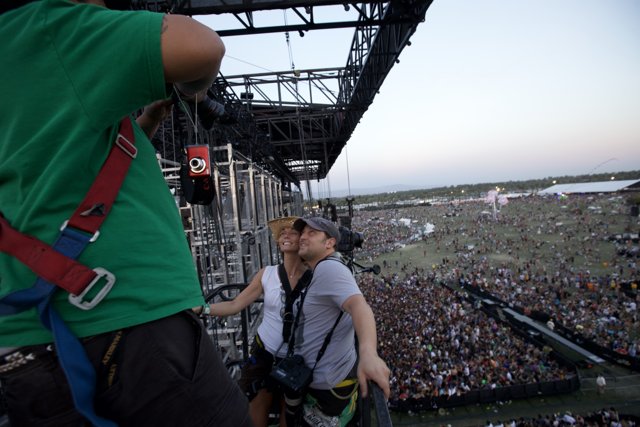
{"points": [[333, 291]]}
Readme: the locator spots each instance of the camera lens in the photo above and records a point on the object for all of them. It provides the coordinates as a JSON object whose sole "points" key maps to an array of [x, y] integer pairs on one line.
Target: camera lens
{"points": [[197, 165]]}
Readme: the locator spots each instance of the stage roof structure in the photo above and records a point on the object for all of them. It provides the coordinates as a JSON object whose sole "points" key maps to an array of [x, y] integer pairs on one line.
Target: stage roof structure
{"points": [[296, 123]]}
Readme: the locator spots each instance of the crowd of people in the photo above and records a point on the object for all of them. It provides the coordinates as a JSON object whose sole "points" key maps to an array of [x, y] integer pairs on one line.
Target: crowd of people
{"points": [[605, 417], [439, 345], [593, 304], [548, 254]]}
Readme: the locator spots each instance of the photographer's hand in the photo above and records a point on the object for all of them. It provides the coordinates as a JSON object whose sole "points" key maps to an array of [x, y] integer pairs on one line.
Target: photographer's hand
{"points": [[153, 115]]}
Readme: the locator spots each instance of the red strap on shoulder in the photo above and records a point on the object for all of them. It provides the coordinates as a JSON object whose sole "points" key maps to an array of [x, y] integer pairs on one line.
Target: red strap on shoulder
{"points": [[97, 203]]}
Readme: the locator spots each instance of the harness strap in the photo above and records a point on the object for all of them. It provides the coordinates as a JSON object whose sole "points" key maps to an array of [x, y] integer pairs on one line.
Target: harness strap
{"points": [[45, 261], [290, 297], [97, 204], [76, 234], [51, 264]]}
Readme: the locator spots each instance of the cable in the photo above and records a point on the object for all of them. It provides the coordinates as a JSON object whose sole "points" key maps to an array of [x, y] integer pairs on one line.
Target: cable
{"points": [[303, 151], [286, 35], [248, 63], [186, 110], [346, 156]]}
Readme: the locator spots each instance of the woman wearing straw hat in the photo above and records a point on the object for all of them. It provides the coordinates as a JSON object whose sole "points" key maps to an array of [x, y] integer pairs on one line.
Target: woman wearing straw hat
{"points": [[279, 284]]}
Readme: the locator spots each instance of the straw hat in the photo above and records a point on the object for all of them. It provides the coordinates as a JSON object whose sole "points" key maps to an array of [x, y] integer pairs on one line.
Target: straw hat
{"points": [[276, 225]]}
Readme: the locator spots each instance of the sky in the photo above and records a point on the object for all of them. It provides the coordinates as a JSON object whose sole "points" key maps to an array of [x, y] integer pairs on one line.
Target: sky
{"points": [[488, 91]]}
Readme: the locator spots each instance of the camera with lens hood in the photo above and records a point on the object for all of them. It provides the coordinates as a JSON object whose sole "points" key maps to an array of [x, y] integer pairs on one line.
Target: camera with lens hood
{"points": [[349, 240]]}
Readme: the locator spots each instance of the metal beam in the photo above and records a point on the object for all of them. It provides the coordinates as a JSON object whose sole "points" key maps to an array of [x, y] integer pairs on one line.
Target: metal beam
{"points": [[296, 123]]}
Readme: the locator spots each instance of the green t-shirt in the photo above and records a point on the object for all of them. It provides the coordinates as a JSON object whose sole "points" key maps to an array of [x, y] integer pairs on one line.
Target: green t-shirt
{"points": [[69, 73]]}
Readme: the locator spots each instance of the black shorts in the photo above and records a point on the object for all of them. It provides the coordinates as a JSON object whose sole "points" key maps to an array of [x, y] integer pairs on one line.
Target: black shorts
{"points": [[162, 373]]}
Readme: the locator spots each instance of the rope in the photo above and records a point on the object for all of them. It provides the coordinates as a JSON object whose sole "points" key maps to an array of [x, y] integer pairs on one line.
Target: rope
{"points": [[248, 63], [346, 156], [287, 38], [187, 112], [303, 151]]}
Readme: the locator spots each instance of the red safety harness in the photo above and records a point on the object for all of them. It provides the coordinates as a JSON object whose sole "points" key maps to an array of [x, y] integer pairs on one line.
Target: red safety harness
{"points": [[58, 269]]}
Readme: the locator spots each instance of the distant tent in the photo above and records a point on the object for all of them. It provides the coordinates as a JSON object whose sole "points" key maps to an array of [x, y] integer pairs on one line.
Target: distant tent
{"points": [[593, 187]]}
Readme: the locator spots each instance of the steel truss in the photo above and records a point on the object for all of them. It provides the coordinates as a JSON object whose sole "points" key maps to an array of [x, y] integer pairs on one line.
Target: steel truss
{"points": [[296, 123]]}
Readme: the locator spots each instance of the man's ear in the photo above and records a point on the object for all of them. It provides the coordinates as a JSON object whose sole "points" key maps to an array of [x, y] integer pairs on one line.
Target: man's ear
{"points": [[330, 246]]}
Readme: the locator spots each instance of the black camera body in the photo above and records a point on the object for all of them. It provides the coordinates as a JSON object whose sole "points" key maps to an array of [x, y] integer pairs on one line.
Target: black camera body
{"points": [[349, 239], [292, 375]]}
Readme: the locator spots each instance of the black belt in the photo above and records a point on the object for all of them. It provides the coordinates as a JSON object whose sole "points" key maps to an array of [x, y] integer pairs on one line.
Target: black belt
{"points": [[23, 356]]}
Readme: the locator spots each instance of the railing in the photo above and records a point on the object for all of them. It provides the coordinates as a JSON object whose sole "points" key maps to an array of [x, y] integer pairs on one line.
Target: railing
{"points": [[245, 326], [382, 416]]}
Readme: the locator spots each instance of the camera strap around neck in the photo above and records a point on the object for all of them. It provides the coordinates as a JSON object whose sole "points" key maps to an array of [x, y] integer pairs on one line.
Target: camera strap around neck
{"points": [[290, 296], [327, 339]]}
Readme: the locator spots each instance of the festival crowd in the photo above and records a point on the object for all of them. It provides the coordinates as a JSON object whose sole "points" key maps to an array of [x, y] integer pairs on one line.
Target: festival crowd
{"points": [[438, 344], [548, 254]]}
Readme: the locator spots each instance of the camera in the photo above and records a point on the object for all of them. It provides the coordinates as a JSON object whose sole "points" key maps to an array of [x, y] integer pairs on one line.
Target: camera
{"points": [[198, 160], [195, 176], [349, 239], [292, 375], [208, 110]]}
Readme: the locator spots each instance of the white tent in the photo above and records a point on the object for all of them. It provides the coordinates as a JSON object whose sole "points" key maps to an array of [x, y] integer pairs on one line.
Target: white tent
{"points": [[592, 187]]}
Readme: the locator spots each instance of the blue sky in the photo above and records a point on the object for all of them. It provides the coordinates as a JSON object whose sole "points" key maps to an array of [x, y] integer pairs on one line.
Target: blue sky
{"points": [[491, 90]]}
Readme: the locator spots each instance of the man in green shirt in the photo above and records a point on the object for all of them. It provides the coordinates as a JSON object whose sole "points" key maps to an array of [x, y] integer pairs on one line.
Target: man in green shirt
{"points": [[70, 71]]}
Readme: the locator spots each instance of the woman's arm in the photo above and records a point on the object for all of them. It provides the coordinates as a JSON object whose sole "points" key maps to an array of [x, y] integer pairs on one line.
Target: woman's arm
{"points": [[246, 297]]}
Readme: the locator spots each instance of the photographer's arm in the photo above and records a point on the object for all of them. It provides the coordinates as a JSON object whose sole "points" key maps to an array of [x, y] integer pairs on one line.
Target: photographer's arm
{"points": [[246, 297], [370, 366], [191, 55]]}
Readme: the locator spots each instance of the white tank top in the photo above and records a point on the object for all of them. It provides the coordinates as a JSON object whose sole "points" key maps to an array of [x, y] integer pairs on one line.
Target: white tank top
{"points": [[270, 330]]}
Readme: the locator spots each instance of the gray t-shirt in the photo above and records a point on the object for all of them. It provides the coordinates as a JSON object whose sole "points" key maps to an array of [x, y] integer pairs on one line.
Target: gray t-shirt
{"points": [[330, 287]]}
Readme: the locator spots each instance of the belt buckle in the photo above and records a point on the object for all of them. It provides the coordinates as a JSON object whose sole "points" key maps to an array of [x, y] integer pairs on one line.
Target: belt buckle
{"points": [[78, 300]]}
